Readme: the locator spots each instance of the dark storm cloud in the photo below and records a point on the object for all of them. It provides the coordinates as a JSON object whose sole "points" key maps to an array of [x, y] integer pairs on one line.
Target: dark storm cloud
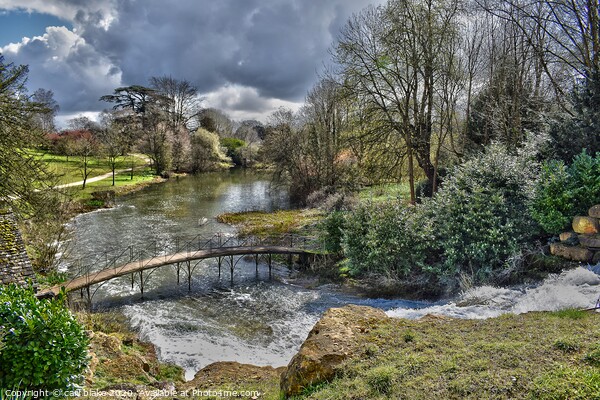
{"points": [[252, 51]]}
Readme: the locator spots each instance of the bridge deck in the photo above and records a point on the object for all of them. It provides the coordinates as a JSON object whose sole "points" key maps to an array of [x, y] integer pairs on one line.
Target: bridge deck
{"points": [[159, 261]]}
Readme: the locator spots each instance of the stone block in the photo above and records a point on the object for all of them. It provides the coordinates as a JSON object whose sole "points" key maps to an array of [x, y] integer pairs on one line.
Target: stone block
{"points": [[592, 242], [594, 212], [586, 225], [574, 253]]}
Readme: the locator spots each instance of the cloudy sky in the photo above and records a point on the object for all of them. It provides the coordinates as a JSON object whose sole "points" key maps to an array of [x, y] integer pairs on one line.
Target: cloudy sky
{"points": [[247, 57]]}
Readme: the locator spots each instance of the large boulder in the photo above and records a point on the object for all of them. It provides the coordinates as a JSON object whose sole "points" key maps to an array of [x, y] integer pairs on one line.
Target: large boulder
{"points": [[586, 225], [337, 336], [594, 212], [575, 253]]}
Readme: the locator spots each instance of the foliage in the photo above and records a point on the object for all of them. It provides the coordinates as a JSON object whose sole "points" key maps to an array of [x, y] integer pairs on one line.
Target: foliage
{"points": [[563, 192], [480, 214], [206, 152], [386, 238], [474, 223], [44, 346], [233, 149], [332, 228]]}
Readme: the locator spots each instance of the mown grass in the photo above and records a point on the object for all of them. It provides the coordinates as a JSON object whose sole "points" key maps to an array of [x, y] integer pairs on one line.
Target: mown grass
{"points": [[123, 184], [68, 169], [534, 355], [264, 224]]}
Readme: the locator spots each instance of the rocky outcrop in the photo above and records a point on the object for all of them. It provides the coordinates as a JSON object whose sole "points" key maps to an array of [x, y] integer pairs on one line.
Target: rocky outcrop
{"points": [[583, 243], [15, 266], [231, 372], [336, 337]]}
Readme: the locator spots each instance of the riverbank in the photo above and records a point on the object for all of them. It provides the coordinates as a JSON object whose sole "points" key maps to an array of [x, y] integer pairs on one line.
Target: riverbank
{"points": [[533, 355]]}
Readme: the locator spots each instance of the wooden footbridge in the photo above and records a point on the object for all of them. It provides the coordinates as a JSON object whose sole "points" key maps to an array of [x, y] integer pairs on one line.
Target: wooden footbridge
{"points": [[181, 253]]}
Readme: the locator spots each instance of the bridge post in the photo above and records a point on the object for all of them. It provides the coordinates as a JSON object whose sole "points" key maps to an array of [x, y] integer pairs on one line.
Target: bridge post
{"points": [[270, 265], [142, 283], [219, 261], [231, 267], [189, 269], [89, 297], [178, 269], [256, 262], [132, 281]]}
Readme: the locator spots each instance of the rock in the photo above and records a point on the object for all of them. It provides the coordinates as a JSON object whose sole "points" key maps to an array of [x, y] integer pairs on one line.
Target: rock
{"points": [[586, 225], [338, 335], [594, 211], [569, 238], [596, 258], [230, 372], [592, 242], [575, 253]]}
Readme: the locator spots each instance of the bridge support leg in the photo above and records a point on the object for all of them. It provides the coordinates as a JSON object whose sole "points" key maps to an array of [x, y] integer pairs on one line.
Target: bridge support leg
{"points": [[290, 261], [270, 266], [89, 297], [256, 262], [142, 283], [219, 261], [81, 292], [178, 269], [132, 281], [231, 267], [189, 269]]}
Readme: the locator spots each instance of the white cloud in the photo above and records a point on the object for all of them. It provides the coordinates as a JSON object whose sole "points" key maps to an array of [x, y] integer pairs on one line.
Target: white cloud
{"points": [[243, 102], [64, 62]]}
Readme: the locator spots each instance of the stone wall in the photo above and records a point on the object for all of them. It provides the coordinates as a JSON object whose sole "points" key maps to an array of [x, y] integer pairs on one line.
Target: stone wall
{"points": [[583, 242], [15, 266]]}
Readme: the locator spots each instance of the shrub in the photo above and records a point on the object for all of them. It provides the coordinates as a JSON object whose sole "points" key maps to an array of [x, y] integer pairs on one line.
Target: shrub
{"points": [[386, 238], [44, 347], [381, 379], [480, 214], [563, 192], [332, 228]]}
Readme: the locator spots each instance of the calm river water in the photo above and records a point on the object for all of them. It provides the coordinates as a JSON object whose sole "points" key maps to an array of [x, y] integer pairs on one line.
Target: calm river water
{"points": [[256, 320]]}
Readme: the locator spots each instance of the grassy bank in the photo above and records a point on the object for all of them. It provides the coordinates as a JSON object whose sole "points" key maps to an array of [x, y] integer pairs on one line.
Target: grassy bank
{"points": [[536, 355]]}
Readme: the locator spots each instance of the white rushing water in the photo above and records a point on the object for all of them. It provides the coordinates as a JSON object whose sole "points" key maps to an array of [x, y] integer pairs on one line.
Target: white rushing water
{"points": [[577, 288]]}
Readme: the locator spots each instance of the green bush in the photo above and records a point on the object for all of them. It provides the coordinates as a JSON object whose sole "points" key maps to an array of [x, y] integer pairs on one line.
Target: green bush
{"points": [[480, 214], [44, 347], [473, 224], [332, 231], [386, 238], [563, 192]]}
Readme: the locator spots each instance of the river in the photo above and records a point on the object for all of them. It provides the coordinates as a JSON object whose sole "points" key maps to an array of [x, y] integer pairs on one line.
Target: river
{"points": [[255, 320]]}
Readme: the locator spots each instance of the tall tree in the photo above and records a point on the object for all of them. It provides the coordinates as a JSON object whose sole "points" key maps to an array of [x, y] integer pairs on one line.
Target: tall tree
{"points": [[44, 119], [183, 103], [392, 56]]}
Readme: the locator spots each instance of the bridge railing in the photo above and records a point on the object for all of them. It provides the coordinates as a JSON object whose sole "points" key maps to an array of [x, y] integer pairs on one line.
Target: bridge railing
{"points": [[117, 258]]}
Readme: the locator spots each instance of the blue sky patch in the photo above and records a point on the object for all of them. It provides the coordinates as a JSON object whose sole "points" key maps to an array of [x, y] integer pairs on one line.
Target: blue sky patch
{"points": [[14, 25]]}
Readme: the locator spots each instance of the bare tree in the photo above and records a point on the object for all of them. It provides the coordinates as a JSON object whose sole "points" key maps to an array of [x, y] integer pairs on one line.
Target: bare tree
{"points": [[184, 100], [391, 56], [44, 119]]}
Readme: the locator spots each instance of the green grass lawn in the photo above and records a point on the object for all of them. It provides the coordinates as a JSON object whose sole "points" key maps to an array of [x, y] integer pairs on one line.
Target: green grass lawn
{"points": [[123, 183], [383, 192], [68, 169]]}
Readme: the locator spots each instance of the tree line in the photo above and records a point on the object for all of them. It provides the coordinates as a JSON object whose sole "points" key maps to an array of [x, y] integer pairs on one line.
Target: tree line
{"points": [[419, 86]]}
